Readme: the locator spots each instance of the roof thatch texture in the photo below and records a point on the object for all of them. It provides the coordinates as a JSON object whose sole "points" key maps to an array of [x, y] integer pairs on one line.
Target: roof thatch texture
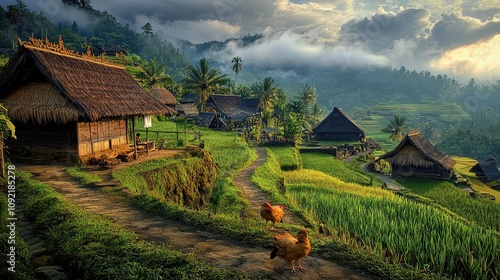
{"points": [[416, 150], [338, 122], [233, 107], [189, 110], [164, 96], [97, 90], [45, 105]]}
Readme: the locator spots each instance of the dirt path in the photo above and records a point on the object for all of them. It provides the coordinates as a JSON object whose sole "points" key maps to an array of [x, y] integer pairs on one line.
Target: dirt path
{"points": [[389, 183], [255, 195], [209, 247]]}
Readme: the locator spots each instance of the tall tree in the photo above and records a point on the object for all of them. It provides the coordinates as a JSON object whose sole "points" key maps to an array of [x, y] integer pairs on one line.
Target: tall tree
{"points": [[267, 92], [307, 95], [396, 126], [237, 65], [204, 81], [147, 29], [14, 17], [316, 112], [153, 75]]}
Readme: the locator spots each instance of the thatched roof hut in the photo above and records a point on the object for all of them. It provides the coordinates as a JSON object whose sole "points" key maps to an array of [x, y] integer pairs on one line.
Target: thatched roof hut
{"points": [[486, 170], [338, 126], [59, 99], [231, 109], [415, 156], [164, 96]]}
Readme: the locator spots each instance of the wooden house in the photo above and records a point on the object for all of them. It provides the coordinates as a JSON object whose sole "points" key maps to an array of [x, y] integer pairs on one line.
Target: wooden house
{"points": [[338, 126], [67, 105], [231, 109], [486, 170], [415, 156]]}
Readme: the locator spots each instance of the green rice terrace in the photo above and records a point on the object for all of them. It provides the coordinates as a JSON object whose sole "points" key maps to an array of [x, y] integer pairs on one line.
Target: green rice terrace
{"points": [[438, 115], [430, 229]]}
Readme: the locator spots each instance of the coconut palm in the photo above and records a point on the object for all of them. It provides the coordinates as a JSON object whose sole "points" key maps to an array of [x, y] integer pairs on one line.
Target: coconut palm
{"points": [[307, 95], [153, 75], [396, 127], [237, 64], [316, 112], [267, 92], [204, 81]]}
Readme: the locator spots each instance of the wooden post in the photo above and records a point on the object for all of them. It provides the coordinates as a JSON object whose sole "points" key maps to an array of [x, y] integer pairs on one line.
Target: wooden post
{"points": [[135, 142], [147, 141]]}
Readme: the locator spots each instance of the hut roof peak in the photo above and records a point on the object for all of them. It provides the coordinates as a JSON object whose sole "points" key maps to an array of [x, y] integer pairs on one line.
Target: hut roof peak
{"points": [[59, 49]]}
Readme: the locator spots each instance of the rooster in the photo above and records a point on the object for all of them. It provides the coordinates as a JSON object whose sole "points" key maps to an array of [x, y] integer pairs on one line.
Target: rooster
{"points": [[291, 249], [272, 213]]}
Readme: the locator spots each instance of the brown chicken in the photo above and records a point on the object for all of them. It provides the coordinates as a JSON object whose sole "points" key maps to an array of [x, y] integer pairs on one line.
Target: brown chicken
{"points": [[291, 249], [272, 213]]}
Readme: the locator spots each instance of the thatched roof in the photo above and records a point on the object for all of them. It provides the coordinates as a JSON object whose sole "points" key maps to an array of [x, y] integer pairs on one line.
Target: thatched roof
{"points": [[189, 98], [164, 96], [417, 151], [233, 107], [189, 110], [486, 169], [338, 122], [205, 119], [94, 89]]}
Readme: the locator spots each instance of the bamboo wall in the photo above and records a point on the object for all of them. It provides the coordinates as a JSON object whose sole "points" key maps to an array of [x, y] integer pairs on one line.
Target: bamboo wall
{"points": [[94, 137]]}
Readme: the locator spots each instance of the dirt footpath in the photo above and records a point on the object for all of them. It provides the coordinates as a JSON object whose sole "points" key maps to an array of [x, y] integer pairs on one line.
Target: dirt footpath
{"points": [[209, 247]]}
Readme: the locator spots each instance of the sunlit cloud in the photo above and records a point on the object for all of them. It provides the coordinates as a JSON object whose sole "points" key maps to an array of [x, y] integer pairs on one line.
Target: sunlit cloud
{"points": [[480, 60]]}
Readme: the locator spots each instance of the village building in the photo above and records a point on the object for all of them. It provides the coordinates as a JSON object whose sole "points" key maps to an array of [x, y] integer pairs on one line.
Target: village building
{"points": [[187, 106], [338, 126], [165, 97], [70, 106], [415, 156], [486, 170], [231, 109]]}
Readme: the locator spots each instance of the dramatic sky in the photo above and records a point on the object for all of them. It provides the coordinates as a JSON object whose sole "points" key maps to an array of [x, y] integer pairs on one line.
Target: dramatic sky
{"points": [[460, 38]]}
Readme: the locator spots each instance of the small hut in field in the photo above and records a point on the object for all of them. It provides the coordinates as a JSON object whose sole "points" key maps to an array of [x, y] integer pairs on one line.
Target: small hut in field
{"points": [[70, 106], [486, 170], [338, 126], [415, 156]]}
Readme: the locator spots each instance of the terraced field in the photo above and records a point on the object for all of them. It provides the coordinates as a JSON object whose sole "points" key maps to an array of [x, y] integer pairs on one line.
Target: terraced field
{"points": [[439, 115]]}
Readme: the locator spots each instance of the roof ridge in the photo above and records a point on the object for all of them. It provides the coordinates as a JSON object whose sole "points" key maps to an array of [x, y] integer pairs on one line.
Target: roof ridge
{"points": [[61, 50]]}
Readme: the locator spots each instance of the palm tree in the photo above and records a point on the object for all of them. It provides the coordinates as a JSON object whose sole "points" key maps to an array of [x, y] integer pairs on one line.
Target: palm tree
{"points": [[396, 127], [267, 92], [307, 95], [316, 112], [153, 75], [236, 68], [279, 112], [204, 81]]}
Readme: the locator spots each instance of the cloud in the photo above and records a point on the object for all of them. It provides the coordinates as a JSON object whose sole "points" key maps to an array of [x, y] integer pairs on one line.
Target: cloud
{"points": [[455, 30], [383, 29], [289, 48], [479, 60], [198, 31]]}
